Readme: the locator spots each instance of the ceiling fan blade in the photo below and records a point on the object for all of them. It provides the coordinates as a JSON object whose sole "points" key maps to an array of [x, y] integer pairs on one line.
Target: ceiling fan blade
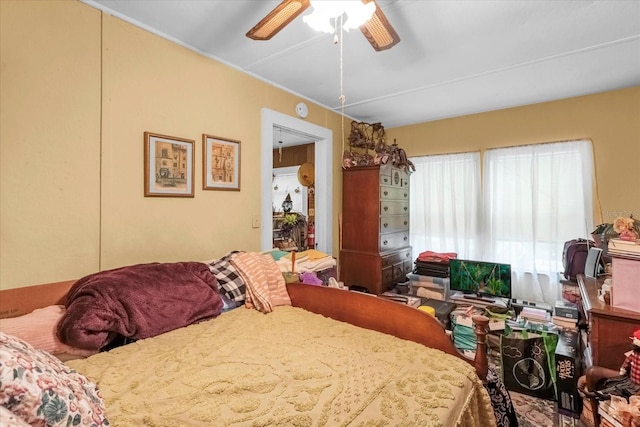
{"points": [[277, 19], [378, 30]]}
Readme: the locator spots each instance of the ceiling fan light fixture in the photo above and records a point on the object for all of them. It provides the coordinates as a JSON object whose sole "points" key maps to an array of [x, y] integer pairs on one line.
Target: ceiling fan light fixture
{"points": [[358, 13], [324, 11], [318, 22], [365, 14]]}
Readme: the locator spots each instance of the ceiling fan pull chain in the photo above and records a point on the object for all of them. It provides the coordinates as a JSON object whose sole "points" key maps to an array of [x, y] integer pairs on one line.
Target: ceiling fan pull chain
{"points": [[341, 98]]}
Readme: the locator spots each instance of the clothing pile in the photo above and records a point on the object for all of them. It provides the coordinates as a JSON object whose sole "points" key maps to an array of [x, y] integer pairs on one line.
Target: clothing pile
{"points": [[433, 264]]}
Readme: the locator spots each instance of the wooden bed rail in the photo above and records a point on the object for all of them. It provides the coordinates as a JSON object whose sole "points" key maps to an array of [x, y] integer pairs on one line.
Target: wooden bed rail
{"points": [[18, 301]]}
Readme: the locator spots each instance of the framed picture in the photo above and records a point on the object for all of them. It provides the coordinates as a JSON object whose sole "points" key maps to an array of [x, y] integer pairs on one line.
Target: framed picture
{"points": [[168, 166], [221, 163]]}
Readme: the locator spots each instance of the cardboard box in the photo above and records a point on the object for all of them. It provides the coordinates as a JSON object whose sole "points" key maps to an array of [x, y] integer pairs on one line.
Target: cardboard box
{"points": [[624, 278], [568, 370]]}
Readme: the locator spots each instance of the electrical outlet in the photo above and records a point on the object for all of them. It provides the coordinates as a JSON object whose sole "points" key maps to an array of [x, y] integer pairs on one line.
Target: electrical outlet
{"points": [[255, 222]]}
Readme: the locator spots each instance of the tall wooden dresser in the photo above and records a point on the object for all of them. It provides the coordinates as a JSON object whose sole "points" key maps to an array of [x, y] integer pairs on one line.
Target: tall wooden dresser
{"points": [[375, 251]]}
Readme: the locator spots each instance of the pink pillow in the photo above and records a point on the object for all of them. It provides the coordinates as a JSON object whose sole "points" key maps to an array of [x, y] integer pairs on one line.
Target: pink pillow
{"points": [[38, 328]]}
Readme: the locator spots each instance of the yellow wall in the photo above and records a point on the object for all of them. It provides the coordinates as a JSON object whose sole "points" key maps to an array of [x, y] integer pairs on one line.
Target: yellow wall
{"points": [[78, 89], [611, 120], [49, 141]]}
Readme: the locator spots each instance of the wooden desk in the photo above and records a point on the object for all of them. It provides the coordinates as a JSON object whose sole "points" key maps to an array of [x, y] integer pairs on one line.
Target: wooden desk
{"points": [[609, 328]]}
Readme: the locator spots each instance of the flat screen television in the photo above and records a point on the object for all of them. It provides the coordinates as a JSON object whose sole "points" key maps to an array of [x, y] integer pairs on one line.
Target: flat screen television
{"points": [[480, 278]]}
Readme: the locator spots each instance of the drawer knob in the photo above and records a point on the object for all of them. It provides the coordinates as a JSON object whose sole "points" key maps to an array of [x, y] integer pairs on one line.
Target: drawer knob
{"points": [[386, 208], [406, 195], [405, 208], [386, 193], [385, 243], [385, 225], [405, 238], [405, 223]]}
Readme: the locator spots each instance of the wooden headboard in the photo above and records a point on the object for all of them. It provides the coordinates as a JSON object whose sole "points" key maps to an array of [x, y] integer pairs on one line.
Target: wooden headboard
{"points": [[18, 301]]}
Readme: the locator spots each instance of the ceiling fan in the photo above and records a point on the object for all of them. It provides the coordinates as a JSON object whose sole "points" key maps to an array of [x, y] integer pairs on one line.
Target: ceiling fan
{"points": [[377, 29]]}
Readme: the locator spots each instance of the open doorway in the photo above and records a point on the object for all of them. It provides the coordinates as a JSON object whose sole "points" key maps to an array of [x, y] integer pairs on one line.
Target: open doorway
{"points": [[323, 139], [290, 201]]}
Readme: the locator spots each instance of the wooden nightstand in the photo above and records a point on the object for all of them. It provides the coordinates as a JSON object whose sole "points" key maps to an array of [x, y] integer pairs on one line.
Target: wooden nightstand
{"points": [[608, 327]]}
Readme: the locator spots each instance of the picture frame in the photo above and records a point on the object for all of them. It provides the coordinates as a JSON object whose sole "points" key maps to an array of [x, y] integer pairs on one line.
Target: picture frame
{"points": [[220, 163], [168, 166]]}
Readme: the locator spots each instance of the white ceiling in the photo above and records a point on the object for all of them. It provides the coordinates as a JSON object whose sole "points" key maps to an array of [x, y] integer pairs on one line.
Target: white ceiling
{"points": [[454, 57]]}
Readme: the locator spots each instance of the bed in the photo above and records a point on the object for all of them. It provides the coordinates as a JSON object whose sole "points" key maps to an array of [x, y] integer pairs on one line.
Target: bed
{"points": [[330, 357]]}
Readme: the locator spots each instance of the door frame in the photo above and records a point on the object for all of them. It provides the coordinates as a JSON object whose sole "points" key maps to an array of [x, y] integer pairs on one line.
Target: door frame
{"points": [[323, 151]]}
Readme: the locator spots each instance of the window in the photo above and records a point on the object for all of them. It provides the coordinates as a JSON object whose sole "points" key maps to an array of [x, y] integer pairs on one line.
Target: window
{"points": [[445, 204], [534, 198]]}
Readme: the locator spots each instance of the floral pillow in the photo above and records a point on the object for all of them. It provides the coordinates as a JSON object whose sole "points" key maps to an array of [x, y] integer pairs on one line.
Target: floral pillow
{"points": [[41, 390], [9, 419]]}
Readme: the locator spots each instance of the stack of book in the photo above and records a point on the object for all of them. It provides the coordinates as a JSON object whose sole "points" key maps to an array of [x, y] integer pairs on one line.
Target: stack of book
{"points": [[535, 315], [627, 248], [564, 322]]}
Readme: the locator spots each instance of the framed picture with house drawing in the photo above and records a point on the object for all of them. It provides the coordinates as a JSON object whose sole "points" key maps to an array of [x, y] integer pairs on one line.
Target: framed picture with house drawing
{"points": [[168, 166], [221, 163]]}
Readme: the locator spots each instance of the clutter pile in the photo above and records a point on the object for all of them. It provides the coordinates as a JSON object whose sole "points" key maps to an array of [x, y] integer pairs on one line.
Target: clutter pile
{"points": [[312, 267], [430, 276]]}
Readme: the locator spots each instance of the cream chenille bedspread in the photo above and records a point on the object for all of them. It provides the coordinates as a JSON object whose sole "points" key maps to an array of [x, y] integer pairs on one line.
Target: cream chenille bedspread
{"points": [[286, 368]]}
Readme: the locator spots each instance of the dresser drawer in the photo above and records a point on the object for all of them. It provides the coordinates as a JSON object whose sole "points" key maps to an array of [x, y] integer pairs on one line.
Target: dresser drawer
{"points": [[394, 177], [392, 207], [408, 267], [394, 193], [392, 275], [395, 257], [394, 223], [395, 267], [392, 241], [387, 277]]}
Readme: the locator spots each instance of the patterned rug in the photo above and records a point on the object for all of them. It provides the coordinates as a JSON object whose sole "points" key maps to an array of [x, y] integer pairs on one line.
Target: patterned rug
{"points": [[534, 412]]}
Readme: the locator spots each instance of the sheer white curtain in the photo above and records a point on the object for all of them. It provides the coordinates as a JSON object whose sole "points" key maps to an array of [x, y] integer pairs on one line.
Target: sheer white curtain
{"points": [[535, 198], [445, 203]]}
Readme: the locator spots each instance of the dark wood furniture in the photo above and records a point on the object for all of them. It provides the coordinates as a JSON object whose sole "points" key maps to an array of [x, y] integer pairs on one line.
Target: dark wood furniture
{"points": [[375, 251], [609, 328]]}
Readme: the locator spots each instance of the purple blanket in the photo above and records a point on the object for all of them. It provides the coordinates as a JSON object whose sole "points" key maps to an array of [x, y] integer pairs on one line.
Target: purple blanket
{"points": [[136, 302]]}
